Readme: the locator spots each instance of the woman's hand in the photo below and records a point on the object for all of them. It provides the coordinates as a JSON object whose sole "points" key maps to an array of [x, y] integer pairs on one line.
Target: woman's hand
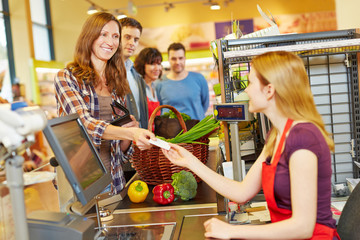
{"points": [[215, 228], [130, 132], [179, 155], [133, 123], [141, 138]]}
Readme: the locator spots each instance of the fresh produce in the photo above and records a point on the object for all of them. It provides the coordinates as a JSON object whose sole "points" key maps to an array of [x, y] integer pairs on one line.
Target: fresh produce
{"points": [[171, 114], [164, 193], [184, 184], [138, 191], [202, 128]]}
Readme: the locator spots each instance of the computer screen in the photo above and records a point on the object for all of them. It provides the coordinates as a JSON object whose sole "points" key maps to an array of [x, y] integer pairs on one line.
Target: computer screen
{"points": [[77, 157]]}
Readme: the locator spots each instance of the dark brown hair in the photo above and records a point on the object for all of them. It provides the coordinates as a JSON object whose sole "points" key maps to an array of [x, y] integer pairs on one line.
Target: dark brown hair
{"points": [[130, 22], [175, 47], [82, 68], [147, 56]]}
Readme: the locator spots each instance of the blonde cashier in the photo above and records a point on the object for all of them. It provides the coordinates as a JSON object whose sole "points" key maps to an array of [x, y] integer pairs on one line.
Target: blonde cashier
{"points": [[94, 80], [294, 168]]}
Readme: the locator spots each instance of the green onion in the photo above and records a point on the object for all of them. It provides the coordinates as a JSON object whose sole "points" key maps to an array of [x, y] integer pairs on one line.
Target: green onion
{"points": [[205, 126]]}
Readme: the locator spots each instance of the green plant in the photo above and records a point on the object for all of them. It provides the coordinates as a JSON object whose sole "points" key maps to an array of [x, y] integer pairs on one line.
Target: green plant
{"points": [[171, 114], [205, 126]]}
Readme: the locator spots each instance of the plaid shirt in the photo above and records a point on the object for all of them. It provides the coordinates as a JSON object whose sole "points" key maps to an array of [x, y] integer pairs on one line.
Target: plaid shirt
{"points": [[72, 97]]}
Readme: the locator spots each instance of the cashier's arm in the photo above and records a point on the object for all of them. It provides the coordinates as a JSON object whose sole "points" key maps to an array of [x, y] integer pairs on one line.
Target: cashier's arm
{"points": [[303, 184], [236, 191]]}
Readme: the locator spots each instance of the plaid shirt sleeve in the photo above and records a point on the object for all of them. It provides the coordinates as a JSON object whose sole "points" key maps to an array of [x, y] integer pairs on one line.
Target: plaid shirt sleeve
{"points": [[72, 97]]}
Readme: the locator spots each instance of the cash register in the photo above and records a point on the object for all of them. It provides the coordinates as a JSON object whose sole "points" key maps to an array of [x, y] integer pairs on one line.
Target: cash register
{"points": [[85, 175]]}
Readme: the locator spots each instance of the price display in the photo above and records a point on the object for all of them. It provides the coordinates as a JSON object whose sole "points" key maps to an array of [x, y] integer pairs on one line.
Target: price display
{"points": [[232, 112]]}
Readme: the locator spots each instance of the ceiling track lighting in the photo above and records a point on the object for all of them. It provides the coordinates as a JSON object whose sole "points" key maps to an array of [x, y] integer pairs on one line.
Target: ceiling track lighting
{"points": [[119, 15], [226, 2], [168, 6], [215, 6], [92, 9], [132, 8]]}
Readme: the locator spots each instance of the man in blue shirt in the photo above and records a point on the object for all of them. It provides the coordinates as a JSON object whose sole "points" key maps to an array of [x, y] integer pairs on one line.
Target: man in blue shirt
{"points": [[187, 91]]}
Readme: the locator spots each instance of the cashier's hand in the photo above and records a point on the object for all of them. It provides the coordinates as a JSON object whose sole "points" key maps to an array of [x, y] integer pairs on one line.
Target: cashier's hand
{"points": [[215, 228], [179, 155]]}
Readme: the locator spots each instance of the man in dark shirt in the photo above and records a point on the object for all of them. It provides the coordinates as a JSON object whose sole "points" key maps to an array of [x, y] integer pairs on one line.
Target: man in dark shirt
{"points": [[136, 101]]}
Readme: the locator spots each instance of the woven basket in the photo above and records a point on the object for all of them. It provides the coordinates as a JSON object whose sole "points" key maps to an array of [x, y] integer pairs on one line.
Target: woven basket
{"points": [[154, 168]]}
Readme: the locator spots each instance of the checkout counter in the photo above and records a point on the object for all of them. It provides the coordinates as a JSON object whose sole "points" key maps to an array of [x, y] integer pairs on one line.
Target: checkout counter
{"points": [[178, 220]]}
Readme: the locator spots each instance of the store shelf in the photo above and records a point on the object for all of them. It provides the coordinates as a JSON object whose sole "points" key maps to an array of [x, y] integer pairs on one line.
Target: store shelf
{"points": [[331, 61], [42, 77]]}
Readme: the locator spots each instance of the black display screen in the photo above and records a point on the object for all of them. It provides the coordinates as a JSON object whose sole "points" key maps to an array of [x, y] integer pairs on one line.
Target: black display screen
{"points": [[233, 112], [81, 159]]}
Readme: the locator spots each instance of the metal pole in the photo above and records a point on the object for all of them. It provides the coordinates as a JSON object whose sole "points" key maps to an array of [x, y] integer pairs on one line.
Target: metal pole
{"points": [[236, 152], [15, 182]]}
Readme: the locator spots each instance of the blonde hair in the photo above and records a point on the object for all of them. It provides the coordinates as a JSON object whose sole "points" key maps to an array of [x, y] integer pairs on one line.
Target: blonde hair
{"points": [[286, 72]]}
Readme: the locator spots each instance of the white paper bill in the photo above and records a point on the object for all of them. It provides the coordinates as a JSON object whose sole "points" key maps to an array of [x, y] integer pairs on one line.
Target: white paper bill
{"points": [[160, 143]]}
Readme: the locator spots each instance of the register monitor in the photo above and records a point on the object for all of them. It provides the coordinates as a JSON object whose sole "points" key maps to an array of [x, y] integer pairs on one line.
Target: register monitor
{"points": [[78, 158]]}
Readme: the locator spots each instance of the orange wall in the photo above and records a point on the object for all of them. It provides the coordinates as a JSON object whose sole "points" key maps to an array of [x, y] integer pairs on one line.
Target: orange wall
{"points": [[238, 9], [69, 15]]}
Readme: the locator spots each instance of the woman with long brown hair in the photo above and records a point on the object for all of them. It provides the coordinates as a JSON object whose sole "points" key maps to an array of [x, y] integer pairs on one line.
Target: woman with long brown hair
{"points": [[294, 168], [91, 83]]}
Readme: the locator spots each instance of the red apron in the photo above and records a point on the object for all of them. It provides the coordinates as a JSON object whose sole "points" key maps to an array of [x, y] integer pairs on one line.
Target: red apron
{"points": [[321, 232], [151, 107]]}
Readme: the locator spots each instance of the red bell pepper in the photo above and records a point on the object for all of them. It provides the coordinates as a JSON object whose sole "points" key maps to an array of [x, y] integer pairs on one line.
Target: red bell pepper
{"points": [[163, 193]]}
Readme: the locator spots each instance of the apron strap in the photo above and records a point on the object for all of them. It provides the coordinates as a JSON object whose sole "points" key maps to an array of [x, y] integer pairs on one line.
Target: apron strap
{"points": [[288, 124]]}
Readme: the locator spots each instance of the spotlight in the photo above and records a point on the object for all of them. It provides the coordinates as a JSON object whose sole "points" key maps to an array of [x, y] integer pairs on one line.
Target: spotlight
{"points": [[119, 15], [215, 6], [92, 10], [168, 6]]}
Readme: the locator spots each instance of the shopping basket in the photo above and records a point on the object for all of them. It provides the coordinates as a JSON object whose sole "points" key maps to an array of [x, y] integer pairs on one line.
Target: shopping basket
{"points": [[154, 168]]}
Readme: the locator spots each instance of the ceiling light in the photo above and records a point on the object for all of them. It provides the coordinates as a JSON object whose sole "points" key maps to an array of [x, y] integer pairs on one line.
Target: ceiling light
{"points": [[132, 8], [215, 6], [120, 16], [92, 10], [226, 2], [168, 6]]}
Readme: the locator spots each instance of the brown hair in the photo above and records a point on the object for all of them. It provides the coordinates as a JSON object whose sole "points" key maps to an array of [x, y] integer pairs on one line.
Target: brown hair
{"points": [[286, 72], [147, 56], [82, 68], [130, 22], [175, 47]]}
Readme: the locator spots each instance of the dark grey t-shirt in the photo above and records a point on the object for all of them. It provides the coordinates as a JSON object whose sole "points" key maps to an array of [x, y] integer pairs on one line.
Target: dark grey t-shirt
{"points": [[105, 114], [306, 136]]}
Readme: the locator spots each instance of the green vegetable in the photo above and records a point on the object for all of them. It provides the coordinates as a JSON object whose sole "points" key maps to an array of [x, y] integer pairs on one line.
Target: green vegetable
{"points": [[202, 128], [184, 184], [171, 114]]}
